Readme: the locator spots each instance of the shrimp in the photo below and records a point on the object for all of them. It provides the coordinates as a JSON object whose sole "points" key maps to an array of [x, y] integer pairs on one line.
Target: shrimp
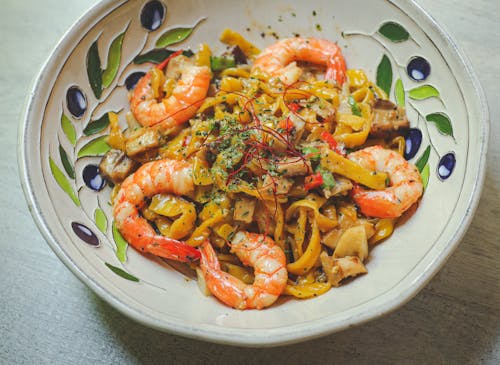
{"points": [[156, 177], [268, 261], [405, 183], [187, 96], [277, 59]]}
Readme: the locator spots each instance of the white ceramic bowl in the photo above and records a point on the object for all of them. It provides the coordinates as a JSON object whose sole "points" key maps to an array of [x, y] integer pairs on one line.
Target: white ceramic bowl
{"points": [[60, 137]]}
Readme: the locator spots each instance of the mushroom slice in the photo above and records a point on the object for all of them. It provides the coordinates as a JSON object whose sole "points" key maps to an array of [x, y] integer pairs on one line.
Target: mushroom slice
{"points": [[293, 166], [142, 140], [342, 187], [243, 209], [279, 185], [353, 242], [341, 268], [388, 118], [115, 166]]}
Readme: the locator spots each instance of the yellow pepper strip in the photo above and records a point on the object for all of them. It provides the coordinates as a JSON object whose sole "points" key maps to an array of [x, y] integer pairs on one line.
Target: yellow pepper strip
{"points": [[228, 258], [353, 122], [329, 95], [279, 234], [233, 38], [324, 223], [236, 72], [213, 213], [380, 93], [296, 94], [217, 206], [225, 231], [230, 84], [202, 232], [114, 193], [203, 193], [202, 58], [243, 115], [330, 212], [201, 172], [353, 130], [116, 138], [219, 112], [239, 272], [357, 78], [304, 280], [175, 148], [311, 254], [168, 87], [276, 208], [229, 98], [363, 95], [338, 164], [300, 234], [216, 240], [400, 143], [174, 206], [383, 229], [157, 80], [348, 215], [307, 290], [163, 224]]}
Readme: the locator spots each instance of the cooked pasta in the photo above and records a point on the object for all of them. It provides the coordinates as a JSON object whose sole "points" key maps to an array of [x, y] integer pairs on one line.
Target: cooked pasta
{"points": [[270, 172]]}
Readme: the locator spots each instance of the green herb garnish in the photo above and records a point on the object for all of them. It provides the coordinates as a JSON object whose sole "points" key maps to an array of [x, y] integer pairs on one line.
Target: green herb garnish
{"points": [[312, 153], [354, 106], [328, 179], [221, 63]]}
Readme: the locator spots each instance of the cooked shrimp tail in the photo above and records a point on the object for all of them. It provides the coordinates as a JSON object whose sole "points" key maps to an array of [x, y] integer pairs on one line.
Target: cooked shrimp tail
{"points": [[405, 186], [225, 287], [157, 177], [268, 261], [277, 59], [185, 99], [336, 69]]}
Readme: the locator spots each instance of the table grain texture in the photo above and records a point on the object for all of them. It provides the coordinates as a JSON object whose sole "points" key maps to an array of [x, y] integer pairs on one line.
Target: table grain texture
{"points": [[47, 316]]}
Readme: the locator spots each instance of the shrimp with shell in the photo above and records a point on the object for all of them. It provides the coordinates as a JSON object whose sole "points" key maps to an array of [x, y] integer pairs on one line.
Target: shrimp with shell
{"points": [[405, 185], [156, 177], [189, 92], [258, 251], [278, 60]]}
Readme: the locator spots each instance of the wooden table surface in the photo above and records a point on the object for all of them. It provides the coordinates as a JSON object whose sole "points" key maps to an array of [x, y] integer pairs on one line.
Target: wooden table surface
{"points": [[47, 316]]}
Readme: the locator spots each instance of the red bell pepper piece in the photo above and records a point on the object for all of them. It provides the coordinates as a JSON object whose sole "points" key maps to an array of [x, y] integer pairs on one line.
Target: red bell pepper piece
{"points": [[294, 107], [328, 138], [332, 142], [285, 124], [313, 181]]}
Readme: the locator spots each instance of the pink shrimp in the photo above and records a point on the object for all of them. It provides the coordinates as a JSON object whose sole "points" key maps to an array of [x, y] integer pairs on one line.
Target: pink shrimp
{"points": [[405, 183], [277, 59], [268, 261], [187, 96], [156, 177]]}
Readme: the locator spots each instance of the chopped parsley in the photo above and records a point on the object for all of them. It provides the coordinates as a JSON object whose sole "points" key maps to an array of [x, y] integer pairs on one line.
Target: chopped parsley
{"points": [[312, 153], [354, 106], [328, 179]]}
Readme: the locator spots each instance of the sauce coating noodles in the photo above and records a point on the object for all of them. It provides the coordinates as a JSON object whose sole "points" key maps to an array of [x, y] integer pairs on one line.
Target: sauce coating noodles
{"points": [[270, 172]]}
